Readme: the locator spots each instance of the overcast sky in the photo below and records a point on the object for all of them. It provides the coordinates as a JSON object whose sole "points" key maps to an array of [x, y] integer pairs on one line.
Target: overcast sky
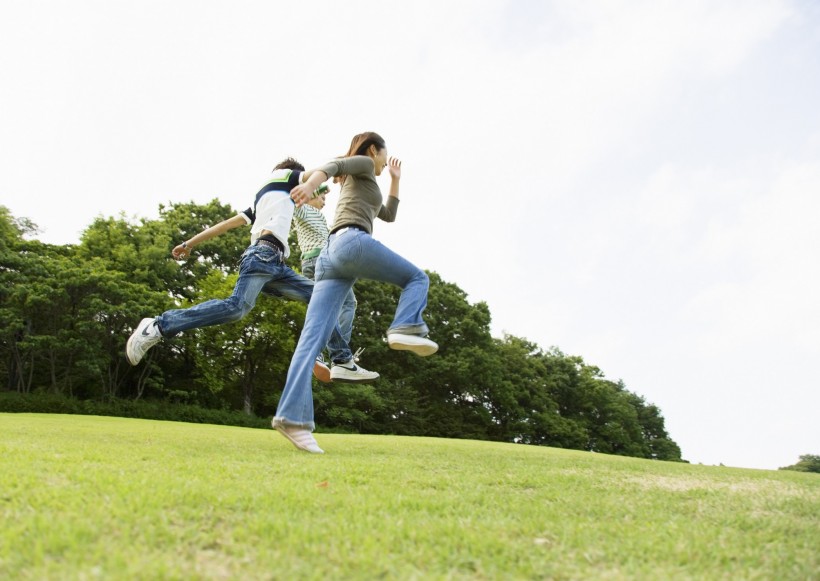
{"points": [[635, 182]]}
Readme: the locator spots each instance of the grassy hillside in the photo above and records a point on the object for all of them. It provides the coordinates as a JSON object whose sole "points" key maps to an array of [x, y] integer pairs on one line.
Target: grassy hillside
{"points": [[86, 497]]}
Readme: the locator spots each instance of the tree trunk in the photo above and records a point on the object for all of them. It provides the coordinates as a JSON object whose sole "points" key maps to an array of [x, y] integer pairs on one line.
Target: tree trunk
{"points": [[52, 369], [144, 375]]}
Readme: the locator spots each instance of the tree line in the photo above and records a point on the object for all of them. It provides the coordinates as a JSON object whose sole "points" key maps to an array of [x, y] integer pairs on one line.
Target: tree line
{"points": [[807, 463], [66, 312]]}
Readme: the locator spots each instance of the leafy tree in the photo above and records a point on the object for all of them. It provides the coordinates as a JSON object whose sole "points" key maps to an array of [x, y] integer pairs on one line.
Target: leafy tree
{"points": [[659, 445], [182, 221], [66, 320], [525, 395], [66, 313], [12, 325], [807, 463], [35, 315], [142, 251]]}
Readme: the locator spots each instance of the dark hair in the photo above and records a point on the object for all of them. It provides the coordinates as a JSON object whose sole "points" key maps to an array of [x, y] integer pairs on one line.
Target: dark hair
{"points": [[361, 142], [359, 146], [289, 163]]}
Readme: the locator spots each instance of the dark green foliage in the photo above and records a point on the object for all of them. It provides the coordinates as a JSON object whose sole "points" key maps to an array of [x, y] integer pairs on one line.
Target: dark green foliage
{"points": [[66, 313], [39, 402], [807, 463]]}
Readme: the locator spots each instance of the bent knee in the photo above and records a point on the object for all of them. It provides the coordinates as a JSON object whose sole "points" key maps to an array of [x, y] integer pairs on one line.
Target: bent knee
{"points": [[238, 310], [422, 278]]}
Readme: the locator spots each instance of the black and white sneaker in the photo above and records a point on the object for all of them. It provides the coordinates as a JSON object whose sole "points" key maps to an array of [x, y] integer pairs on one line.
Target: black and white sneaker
{"points": [[349, 372], [145, 336]]}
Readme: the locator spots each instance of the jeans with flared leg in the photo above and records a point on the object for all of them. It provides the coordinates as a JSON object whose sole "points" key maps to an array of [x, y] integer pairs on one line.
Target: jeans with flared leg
{"points": [[348, 255], [338, 353]]}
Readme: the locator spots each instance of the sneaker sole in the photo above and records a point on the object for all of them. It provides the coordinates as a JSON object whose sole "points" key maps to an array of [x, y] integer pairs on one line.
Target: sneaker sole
{"points": [[128, 352], [322, 372], [421, 349], [354, 380]]}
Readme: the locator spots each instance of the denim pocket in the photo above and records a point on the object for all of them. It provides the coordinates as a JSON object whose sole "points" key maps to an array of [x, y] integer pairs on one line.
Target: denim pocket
{"points": [[321, 267], [348, 251], [259, 259], [267, 255]]}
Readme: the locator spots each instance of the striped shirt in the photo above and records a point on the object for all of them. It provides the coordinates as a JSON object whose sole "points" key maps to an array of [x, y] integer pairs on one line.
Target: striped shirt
{"points": [[311, 230]]}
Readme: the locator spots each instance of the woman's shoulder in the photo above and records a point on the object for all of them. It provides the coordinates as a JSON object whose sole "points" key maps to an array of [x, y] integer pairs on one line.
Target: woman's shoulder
{"points": [[359, 164]]}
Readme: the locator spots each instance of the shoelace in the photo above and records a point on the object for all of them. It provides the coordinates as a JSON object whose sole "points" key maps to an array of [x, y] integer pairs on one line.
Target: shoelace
{"points": [[358, 352]]}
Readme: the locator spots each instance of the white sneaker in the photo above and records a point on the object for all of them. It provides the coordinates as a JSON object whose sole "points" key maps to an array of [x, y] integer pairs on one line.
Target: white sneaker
{"points": [[419, 345], [321, 371], [299, 437], [351, 373], [145, 336]]}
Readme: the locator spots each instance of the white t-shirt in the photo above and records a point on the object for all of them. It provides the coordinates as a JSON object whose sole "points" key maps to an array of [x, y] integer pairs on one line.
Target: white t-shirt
{"points": [[273, 208]]}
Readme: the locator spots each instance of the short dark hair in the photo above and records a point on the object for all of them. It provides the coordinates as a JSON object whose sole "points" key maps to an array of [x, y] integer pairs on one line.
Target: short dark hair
{"points": [[289, 163]]}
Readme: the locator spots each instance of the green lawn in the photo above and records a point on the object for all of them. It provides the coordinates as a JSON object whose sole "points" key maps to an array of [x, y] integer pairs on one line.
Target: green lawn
{"points": [[86, 497]]}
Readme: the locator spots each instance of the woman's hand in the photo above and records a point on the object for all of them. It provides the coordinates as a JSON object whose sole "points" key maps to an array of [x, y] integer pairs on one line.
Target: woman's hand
{"points": [[394, 167], [302, 194]]}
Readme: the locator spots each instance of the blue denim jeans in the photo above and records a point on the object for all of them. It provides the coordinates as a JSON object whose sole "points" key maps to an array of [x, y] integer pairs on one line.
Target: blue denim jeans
{"points": [[347, 256], [346, 316], [261, 269]]}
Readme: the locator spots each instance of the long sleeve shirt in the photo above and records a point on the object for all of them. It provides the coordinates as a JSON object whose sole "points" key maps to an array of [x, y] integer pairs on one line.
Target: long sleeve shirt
{"points": [[360, 201]]}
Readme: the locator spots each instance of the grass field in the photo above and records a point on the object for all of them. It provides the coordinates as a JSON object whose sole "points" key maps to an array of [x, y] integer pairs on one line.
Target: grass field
{"points": [[85, 497]]}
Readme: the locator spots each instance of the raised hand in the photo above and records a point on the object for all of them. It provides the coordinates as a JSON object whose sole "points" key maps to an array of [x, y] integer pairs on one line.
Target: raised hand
{"points": [[394, 167]]}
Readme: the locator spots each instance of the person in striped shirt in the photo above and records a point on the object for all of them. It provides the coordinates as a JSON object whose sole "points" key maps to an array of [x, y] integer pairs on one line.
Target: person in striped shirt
{"points": [[311, 236]]}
